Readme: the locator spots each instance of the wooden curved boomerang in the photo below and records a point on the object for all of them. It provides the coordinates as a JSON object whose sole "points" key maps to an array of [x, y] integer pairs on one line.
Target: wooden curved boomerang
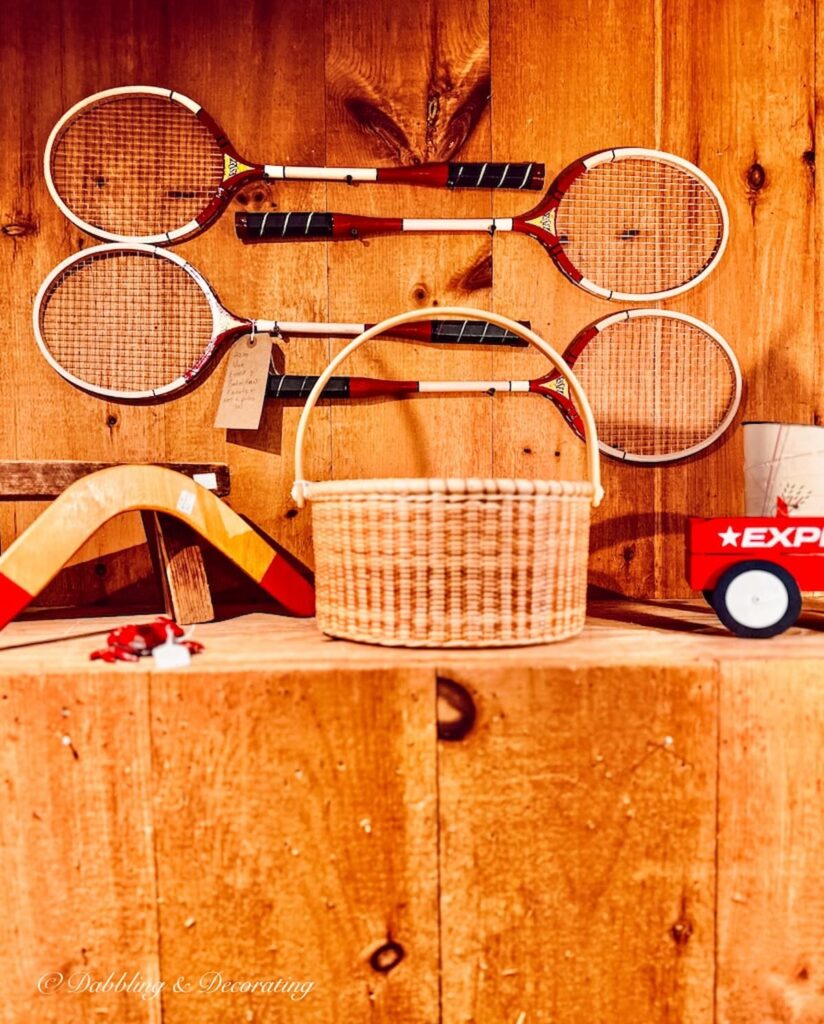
{"points": [[43, 549]]}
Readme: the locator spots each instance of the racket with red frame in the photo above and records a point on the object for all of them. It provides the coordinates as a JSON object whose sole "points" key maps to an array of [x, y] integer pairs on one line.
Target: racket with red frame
{"points": [[148, 164], [662, 385], [627, 224], [138, 323]]}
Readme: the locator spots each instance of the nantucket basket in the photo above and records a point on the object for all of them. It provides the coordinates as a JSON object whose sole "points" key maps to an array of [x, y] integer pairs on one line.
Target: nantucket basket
{"points": [[446, 562]]}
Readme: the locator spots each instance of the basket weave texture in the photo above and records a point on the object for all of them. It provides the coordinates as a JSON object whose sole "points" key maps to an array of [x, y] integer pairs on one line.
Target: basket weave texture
{"points": [[451, 563]]}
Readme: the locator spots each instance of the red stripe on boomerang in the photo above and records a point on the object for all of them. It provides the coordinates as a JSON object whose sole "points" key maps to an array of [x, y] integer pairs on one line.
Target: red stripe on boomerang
{"points": [[287, 585], [13, 599]]}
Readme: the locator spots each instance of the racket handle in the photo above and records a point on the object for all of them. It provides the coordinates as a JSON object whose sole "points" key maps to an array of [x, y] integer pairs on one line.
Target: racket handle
{"points": [[291, 385], [299, 386], [275, 227], [458, 332], [467, 175], [518, 176], [304, 227], [473, 332]]}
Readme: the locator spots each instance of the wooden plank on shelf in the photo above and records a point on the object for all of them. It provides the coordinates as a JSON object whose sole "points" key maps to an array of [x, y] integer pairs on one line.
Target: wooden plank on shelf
{"points": [[578, 846], [568, 80], [38, 479], [177, 554], [747, 119], [76, 846], [296, 837], [771, 843]]}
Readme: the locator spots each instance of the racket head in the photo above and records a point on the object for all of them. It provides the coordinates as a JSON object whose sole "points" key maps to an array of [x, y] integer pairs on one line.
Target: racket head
{"points": [[632, 224], [678, 384], [141, 163], [131, 322]]}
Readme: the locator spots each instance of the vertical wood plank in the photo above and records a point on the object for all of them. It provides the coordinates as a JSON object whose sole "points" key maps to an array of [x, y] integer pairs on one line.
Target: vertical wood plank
{"points": [[409, 84], [296, 819], [568, 79], [243, 66], [771, 845], [577, 847], [738, 99], [76, 846]]}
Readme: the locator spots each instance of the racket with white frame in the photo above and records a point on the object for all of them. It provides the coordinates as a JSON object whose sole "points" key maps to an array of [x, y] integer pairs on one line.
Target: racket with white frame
{"points": [[137, 323], [149, 164], [662, 385], [626, 224]]}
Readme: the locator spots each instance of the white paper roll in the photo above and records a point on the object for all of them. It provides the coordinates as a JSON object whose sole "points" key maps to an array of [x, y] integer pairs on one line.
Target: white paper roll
{"points": [[783, 469]]}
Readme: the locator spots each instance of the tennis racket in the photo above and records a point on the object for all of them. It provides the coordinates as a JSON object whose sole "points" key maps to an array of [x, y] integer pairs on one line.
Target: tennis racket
{"points": [[662, 385], [148, 164], [625, 224], [137, 323]]}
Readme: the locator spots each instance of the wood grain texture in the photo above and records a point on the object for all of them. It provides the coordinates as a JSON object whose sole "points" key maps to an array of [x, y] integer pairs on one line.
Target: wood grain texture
{"points": [[409, 84], [771, 845], [743, 109], [304, 807], [244, 67], [566, 84], [577, 847], [37, 479], [178, 558], [76, 845]]}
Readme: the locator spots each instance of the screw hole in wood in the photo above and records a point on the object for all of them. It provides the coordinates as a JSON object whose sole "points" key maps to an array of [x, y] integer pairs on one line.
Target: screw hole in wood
{"points": [[387, 957]]}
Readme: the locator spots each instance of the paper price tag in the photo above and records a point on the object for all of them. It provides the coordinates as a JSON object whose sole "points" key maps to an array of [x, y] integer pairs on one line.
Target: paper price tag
{"points": [[244, 387]]}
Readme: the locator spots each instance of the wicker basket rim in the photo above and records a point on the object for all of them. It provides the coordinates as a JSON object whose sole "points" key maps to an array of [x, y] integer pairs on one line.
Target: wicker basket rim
{"points": [[470, 486]]}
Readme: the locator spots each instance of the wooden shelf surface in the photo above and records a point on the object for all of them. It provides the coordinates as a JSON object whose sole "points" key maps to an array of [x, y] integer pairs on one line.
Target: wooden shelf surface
{"points": [[617, 633]]}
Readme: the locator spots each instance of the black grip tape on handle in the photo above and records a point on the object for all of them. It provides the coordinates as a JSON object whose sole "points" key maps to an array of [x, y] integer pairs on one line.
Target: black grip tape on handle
{"points": [[474, 332], [520, 176], [253, 226], [298, 386]]}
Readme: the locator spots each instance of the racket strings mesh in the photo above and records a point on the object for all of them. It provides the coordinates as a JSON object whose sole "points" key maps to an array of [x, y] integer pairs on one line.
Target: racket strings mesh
{"points": [[639, 225], [127, 322], [136, 165], [656, 385]]}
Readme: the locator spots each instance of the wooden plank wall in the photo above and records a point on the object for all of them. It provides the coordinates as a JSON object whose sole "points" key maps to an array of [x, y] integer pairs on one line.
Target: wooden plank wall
{"points": [[729, 84]]}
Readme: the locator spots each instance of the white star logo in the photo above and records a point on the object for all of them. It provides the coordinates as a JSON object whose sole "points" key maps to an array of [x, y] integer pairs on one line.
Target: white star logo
{"points": [[729, 538]]}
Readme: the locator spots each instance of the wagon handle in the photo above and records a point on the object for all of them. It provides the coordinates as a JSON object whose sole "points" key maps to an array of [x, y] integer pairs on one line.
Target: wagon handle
{"points": [[300, 488]]}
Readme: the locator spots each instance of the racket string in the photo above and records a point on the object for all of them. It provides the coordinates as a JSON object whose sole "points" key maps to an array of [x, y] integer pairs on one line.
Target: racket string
{"points": [[126, 321], [657, 385], [639, 225], [136, 165]]}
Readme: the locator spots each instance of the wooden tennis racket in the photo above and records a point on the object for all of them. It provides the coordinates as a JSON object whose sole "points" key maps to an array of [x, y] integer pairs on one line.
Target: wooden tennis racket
{"points": [[662, 385], [148, 164], [627, 224], [138, 323]]}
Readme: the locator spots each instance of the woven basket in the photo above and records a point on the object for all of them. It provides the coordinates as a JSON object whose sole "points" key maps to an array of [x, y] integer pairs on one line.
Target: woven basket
{"points": [[451, 563]]}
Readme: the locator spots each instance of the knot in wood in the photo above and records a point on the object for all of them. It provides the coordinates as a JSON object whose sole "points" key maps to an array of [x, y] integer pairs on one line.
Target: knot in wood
{"points": [[756, 177], [456, 710]]}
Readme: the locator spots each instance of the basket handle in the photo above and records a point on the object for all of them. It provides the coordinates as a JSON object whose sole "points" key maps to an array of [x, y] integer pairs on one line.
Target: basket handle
{"points": [[300, 488]]}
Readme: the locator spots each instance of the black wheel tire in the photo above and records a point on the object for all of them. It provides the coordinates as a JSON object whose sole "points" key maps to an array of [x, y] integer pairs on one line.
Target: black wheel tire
{"points": [[709, 597], [728, 605]]}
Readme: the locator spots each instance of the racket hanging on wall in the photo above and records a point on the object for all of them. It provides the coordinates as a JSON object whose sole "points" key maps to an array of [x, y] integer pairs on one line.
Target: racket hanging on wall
{"points": [[628, 224], [662, 385], [149, 164], [138, 323]]}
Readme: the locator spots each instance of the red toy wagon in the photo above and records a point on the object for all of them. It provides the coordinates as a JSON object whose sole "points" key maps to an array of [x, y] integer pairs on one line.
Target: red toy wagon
{"points": [[752, 569]]}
